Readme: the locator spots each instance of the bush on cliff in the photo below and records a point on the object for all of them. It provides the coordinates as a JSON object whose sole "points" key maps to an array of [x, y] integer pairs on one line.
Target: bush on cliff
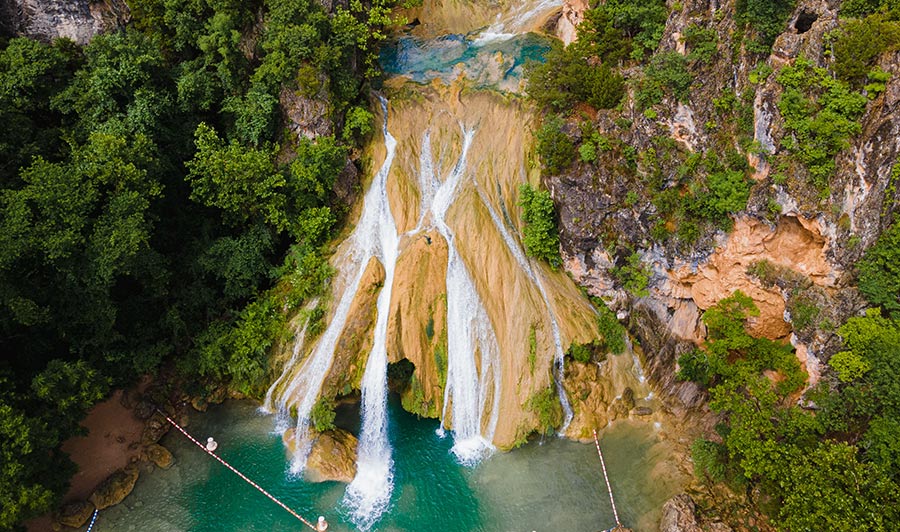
{"points": [[540, 235]]}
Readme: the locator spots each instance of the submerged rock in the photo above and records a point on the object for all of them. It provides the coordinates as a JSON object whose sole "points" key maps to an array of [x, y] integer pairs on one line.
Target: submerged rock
{"points": [[115, 488], [160, 456], [333, 457], [75, 514]]}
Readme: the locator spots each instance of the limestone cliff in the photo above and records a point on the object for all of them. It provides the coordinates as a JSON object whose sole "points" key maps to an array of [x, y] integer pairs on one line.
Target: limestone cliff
{"points": [[793, 246], [78, 20]]}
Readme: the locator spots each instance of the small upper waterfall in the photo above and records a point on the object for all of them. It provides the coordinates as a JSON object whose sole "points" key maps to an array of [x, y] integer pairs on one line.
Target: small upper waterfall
{"points": [[370, 492]]}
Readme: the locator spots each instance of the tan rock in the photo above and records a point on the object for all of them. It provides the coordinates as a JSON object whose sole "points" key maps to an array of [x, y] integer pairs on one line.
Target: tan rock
{"points": [[76, 514], [794, 243], [160, 456], [332, 457], [115, 488]]}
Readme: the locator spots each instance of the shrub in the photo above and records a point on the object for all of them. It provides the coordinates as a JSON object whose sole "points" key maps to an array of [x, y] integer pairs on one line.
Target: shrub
{"points": [[879, 271], [766, 18], [634, 276], [540, 234], [820, 113], [859, 43]]}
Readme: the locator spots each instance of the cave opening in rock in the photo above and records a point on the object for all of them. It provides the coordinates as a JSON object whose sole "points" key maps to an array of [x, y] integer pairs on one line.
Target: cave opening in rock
{"points": [[399, 375], [805, 21]]}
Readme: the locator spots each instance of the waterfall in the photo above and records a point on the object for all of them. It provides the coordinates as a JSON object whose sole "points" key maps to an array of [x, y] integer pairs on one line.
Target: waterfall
{"points": [[369, 493], [282, 416], [559, 354], [366, 241], [469, 330]]}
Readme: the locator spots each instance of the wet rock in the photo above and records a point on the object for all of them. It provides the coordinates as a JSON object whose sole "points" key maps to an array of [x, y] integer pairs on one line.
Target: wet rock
{"points": [[76, 514], [643, 411], [333, 457], [155, 429], [199, 404], [144, 409], [115, 488], [160, 456]]}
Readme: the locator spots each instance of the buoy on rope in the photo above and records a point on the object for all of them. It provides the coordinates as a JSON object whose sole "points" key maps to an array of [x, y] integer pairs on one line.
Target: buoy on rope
{"points": [[211, 444], [322, 524]]}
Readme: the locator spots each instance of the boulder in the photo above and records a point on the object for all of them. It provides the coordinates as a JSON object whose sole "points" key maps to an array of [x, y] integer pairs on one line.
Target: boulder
{"points": [[333, 457], [75, 514], [155, 429], [199, 404], [160, 456], [679, 515], [115, 488], [643, 411]]}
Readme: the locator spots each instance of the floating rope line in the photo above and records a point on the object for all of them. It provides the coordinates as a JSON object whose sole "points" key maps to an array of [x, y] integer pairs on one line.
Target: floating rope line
{"points": [[93, 520], [238, 473], [606, 478]]}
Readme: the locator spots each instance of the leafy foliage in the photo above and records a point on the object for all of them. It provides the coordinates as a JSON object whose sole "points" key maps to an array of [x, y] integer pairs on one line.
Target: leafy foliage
{"points": [[545, 405], [766, 18], [820, 113], [816, 468], [556, 149], [879, 271], [859, 43], [539, 234]]}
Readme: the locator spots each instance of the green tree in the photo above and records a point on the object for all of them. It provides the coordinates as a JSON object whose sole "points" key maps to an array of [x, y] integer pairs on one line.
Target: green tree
{"points": [[243, 182]]}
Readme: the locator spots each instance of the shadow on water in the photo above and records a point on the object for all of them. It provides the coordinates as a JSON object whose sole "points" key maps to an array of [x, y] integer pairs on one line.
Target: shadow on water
{"points": [[556, 485]]}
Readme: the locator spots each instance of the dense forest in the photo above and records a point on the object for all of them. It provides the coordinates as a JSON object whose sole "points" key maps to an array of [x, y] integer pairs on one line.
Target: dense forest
{"points": [[825, 458], [155, 209]]}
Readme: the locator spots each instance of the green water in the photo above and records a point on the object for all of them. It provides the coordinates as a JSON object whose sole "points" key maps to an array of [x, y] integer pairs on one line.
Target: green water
{"points": [[555, 485]]}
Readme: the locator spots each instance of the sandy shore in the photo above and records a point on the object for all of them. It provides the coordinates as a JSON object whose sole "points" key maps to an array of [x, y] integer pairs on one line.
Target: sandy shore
{"points": [[114, 437]]}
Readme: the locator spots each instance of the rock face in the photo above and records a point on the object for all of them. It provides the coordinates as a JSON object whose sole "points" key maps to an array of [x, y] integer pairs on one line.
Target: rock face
{"points": [[787, 223], [78, 20], [571, 16], [114, 489], [678, 515]]}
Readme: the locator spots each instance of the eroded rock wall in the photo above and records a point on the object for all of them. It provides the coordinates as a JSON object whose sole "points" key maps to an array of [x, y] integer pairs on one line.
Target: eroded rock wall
{"points": [[808, 236]]}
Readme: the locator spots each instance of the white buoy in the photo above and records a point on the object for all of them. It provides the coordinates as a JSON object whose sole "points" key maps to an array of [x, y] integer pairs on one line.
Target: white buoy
{"points": [[322, 525], [211, 444]]}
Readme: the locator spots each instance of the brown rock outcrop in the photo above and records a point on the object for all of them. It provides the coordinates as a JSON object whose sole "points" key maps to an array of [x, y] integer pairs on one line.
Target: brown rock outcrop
{"points": [[160, 456], [115, 488], [793, 243], [76, 514], [332, 457]]}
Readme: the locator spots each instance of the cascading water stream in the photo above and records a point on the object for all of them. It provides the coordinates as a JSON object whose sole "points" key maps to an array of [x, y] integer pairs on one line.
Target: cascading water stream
{"points": [[559, 354], [282, 415], [468, 325], [369, 493], [364, 243]]}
